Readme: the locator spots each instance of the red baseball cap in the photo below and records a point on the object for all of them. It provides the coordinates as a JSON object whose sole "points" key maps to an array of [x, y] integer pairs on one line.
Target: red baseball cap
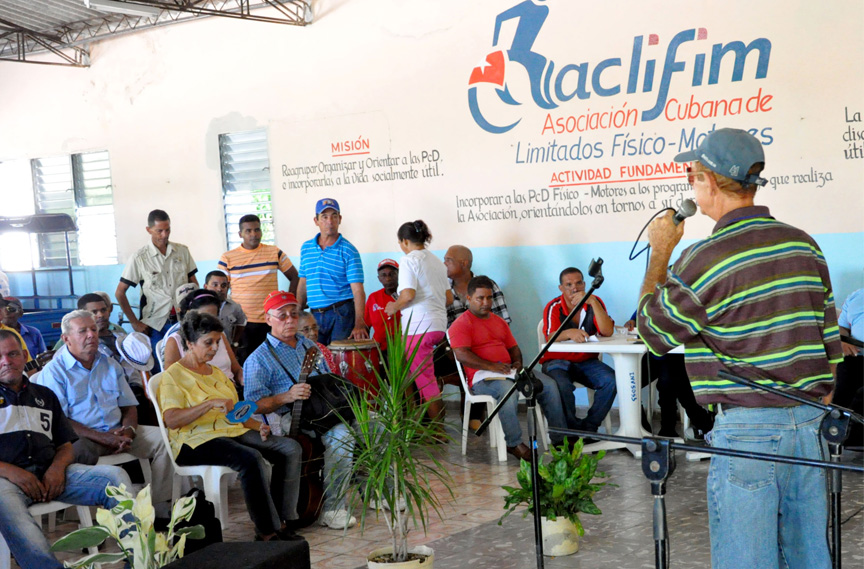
{"points": [[277, 299], [388, 263]]}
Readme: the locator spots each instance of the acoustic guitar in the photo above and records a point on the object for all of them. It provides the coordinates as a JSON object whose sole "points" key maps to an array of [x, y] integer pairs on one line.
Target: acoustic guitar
{"points": [[311, 497]]}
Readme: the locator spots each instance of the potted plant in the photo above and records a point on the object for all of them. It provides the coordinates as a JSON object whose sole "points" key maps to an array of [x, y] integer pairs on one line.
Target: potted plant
{"points": [[130, 524], [394, 459], [567, 489]]}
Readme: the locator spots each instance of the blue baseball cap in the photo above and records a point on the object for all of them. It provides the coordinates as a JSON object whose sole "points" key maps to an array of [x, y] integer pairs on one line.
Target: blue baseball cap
{"points": [[730, 152], [326, 203]]}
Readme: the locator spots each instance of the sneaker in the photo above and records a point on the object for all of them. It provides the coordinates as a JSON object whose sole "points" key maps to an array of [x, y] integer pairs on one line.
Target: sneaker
{"points": [[694, 434], [337, 519], [383, 505]]}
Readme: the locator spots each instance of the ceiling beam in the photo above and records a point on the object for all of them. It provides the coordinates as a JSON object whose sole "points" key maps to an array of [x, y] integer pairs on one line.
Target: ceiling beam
{"points": [[17, 43]]}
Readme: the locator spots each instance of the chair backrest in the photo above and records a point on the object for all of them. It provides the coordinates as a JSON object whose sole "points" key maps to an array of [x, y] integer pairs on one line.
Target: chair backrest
{"points": [[153, 392], [541, 340], [160, 353], [461, 371]]}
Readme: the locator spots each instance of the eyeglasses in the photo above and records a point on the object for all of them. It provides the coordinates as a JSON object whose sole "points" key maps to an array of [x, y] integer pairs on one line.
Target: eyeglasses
{"points": [[307, 329], [282, 317], [692, 174], [12, 308]]}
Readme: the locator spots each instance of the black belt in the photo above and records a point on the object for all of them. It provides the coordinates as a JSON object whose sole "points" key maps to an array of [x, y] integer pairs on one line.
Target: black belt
{"points": [[331, 307]]}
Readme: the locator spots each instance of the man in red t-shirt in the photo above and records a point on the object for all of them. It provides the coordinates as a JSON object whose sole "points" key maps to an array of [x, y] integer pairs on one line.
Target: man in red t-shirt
{"points": [[587, 369], [381, 323], [483, 343]]}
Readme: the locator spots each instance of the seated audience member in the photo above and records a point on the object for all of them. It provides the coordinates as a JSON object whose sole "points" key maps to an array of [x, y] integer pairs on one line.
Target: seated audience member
{"points": [[375, 317], [271, 373], [458, 260], [586, 369], [230, 313], [850, 372], [36, 461], [101, 407], [309, 327], [483, 343], [27, 356], [110, 340], [102, 321], [10, 314], [673, 387], [194, 397], [208, 302]]}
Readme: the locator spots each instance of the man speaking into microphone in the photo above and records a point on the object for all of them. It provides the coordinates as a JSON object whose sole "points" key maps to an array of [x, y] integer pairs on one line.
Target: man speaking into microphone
{"points": [[753, 299]]}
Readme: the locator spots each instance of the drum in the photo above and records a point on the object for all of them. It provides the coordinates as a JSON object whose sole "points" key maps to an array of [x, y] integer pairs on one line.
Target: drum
{"points": [[358, 360]]}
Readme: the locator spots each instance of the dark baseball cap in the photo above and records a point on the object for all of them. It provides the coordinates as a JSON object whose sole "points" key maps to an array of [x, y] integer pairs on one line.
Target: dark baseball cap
{"points": [[730, 152]]}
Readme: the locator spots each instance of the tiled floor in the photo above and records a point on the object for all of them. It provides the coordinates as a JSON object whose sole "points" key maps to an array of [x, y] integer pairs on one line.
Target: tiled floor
{"points": [[469, 536]]}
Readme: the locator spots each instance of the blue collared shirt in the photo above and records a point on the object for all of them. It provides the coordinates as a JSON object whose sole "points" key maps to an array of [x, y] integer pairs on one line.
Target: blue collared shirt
{"points": [[33, 338], [91, 397], [264, 377], [329, 272]]}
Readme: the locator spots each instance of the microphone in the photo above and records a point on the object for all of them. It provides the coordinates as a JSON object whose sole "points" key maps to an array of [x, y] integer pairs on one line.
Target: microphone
{"points": [[688, 208]]}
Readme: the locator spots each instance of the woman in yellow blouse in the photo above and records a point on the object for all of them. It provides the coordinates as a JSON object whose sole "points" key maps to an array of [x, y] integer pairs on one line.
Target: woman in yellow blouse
{"points": [[194, 397]]}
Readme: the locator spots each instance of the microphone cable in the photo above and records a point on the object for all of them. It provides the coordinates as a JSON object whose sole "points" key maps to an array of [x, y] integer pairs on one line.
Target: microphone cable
{"points": [[635, 254]]}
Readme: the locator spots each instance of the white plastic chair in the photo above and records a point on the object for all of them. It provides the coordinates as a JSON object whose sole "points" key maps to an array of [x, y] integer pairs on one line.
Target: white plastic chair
{"points": [[215, 478], [51, 508], [541, 341], [496, 433], [160, 354]]}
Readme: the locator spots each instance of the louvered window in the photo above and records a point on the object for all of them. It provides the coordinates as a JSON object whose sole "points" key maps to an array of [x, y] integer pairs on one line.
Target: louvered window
{"points": [[246, 182], [79, 185]]}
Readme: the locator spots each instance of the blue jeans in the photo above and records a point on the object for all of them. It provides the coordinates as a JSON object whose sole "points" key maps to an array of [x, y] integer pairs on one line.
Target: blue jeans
{"points": [[338, 454], [85, 486], [766, 514], [156, 335], [593, 374], [548, 399], [335, 324]]}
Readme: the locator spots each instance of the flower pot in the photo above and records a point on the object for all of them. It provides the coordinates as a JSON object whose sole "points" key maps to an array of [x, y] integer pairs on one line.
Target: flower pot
{"points": [[559, 537], [413, 564]]}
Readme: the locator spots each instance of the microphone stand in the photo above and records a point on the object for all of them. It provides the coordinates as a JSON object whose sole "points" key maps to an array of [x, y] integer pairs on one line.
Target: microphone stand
{"points": [[834, 428], [530, 387]]}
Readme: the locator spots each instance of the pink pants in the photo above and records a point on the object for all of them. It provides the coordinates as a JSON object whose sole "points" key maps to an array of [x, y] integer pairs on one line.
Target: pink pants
{"points": [[427, 385]]}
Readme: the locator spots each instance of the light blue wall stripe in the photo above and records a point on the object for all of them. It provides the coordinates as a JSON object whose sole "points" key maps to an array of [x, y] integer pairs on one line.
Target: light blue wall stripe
{"points": [[528, 276]]}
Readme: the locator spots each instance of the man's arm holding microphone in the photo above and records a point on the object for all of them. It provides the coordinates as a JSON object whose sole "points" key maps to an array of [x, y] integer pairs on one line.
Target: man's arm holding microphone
{"points": [[663, 235]]}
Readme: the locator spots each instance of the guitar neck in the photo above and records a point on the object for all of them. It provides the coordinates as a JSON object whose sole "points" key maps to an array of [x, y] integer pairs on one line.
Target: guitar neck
{"points": [[297, 409]]}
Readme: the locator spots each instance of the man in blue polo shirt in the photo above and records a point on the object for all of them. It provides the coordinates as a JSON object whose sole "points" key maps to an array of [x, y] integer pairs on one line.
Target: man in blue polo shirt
{"points": [[331, 278], [36, 460]]}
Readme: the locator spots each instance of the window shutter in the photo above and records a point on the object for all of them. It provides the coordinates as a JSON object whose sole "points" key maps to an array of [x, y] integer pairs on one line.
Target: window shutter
{"points": [[53, 188], [246, 182], [94, 196], [79, 185]]}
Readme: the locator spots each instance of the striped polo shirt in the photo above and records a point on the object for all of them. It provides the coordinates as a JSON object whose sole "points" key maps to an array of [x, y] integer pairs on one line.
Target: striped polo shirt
{"points": [[329, 272], [254, 273], [753, 299]]}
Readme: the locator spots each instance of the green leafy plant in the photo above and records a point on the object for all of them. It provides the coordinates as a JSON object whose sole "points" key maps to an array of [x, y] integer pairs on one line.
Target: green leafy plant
{"points": [[130, 524], [394, 456], [567, 485]]}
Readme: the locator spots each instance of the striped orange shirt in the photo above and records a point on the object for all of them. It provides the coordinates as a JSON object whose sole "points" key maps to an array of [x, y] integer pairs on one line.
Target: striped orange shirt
{"points": [[253, 275]]}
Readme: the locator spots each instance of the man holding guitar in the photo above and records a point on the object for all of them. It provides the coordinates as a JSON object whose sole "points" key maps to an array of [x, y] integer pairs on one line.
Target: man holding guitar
{"points": [[273, 380]]}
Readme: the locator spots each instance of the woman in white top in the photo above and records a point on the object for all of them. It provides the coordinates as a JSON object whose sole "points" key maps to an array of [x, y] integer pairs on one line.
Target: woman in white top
{"points": [[424, 294], [207, 302]]}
